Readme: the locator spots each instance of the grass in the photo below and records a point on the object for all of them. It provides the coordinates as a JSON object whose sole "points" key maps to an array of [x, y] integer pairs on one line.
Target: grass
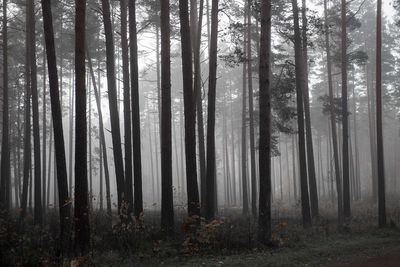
{"points": [[229, 241]]}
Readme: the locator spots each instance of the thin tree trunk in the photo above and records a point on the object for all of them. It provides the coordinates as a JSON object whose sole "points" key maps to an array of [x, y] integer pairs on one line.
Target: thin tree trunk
{"points": [[306, 99], [113, 103], [44, 126], [356, 151], [97, 96], [212, 82], [38, 216], [244, 140], [127, 105], [379, 135], [333, 120], [27, 136], [81, 214], [49, 164], [233, 152], [64, 203], [167, 207], [5, 146], [197, 93], [251, 114], [89, 133], [294, 169], [299, 61], [190, 110], [137, 154], [345, 152], [71, 129]]}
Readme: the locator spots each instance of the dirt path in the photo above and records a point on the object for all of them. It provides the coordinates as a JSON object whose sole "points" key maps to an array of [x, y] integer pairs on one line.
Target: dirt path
{"points": [[390, 260]]}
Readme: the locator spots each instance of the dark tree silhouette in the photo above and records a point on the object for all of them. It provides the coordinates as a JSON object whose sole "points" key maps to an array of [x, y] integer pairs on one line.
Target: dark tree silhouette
{"points": [[5, 145], [127, 106], [137, 154], [264, 219], [379, 134], [345, 116], [189, 110], [305, 202], [64, 201], [212, 84], [310, 150], [82, 230], [112, 99], [167, 208]]}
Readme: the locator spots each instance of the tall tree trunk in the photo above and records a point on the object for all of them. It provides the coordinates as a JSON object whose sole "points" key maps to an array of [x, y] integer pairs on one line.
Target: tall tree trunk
{"points": [[167, 207], [333, 119], [245, 209], [71, 129], [27, 130], [345, 152], [127, 105], [196, 40], [233, 152], [44, 126], [251, 114], [310, 149], [294, 159], [264, 219], [89, 133], [112, 98], [299, 62], [379, 135], [190, 110], [82, 230], [212, 84], [137, 154], [5, 146], [49, 164], [64, 201], [38, 216], [97, 96], [356, 150]]}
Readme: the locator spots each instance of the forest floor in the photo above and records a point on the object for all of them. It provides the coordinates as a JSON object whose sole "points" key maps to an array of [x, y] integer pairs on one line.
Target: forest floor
{"points": [[377, 247], [230, 240]]}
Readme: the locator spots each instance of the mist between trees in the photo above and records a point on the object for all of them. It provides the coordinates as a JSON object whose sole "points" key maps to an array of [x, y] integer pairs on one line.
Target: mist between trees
{"points": [[193, 111]]}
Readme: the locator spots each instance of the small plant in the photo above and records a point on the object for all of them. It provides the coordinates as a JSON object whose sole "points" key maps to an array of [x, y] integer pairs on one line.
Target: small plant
{"points": [[199, 234]]}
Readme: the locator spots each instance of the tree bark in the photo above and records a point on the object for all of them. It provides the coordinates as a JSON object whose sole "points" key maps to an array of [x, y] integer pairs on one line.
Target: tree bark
{"points": [[251, 115], [137, 154], [82, 230], [127, 105], [189, 110], [245, 208], [379, 135], [299, 61], [212, 82], [333, 120], [310, 148], [196, 40], [264, 219], [44, 126], [167, 208], [112, 98], [97, 96], [5, 145], [27, 122], [345, 151], [64, 201]]}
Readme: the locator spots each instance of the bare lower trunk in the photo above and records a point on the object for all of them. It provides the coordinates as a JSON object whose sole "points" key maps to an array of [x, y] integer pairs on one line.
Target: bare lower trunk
{"points": [[211, 168]]}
